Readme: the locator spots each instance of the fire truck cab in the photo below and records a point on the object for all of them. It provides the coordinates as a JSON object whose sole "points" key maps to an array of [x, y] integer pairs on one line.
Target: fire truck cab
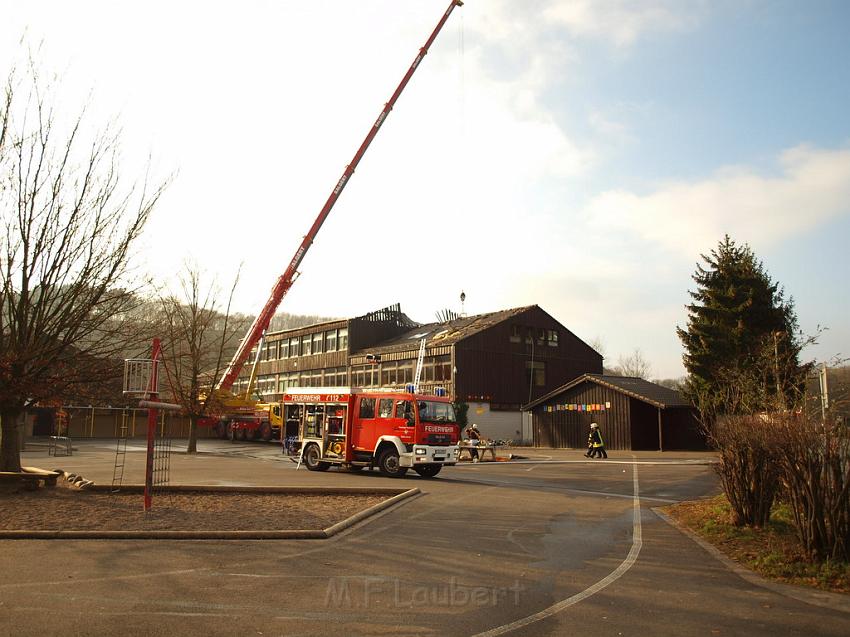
{"points": [[392, 430]]}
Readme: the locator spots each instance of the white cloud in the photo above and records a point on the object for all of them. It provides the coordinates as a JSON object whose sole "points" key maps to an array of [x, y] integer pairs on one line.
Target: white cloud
{"points": [[689, 217], [624, 21]]}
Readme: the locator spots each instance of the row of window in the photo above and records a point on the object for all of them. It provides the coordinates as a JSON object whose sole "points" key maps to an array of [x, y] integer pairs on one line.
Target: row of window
{"points": [[538, 335], [267, 385], [306, 345], [387, 374], [396, 373], [336, 377], [403, 408]]}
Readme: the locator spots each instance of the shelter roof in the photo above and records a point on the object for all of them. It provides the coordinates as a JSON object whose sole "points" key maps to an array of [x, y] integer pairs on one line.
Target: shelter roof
{"points": [[652, 393]]}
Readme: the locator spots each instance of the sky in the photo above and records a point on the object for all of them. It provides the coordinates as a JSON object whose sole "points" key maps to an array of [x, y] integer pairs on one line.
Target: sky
{"points": [[575, 154]]}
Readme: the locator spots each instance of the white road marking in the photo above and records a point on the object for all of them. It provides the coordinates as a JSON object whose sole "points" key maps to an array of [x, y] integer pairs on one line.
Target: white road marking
{"points": [[511, 463], [631, 558]]}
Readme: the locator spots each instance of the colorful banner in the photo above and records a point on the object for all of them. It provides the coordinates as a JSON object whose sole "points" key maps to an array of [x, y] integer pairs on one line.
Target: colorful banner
{"points": [[578, 407]]}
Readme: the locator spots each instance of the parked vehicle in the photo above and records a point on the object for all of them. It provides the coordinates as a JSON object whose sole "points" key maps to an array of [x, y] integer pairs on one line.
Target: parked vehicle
{"points": [[356, 428]]}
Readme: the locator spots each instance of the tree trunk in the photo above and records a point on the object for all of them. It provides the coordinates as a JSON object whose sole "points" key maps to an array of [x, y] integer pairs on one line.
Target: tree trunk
{"points": [[193, 435], [10, 453]]}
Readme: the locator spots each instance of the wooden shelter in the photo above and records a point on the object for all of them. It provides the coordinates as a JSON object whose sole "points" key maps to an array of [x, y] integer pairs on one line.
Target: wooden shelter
{"points": [[633, 414]]}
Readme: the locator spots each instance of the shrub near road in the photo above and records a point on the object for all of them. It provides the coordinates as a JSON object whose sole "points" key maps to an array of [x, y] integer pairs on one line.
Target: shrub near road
{"points": [[773, 551]]}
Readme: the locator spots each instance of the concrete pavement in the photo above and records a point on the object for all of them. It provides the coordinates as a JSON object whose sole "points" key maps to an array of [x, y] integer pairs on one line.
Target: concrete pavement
{"points": [[556, 546]]}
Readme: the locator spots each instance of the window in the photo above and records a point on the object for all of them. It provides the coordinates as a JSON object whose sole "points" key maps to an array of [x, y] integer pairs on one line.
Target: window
{"points": [[404, 409], [385, 408], [388, 374], [289, 380], [367, 407], [365, 376], [552, 338], [336, 377], [405, 372], [306, 346], [516, 334], [427, 371], [294, 346], [442, 368], [330, 341], [535, 373], [432, 411], [541, 336], [284, 348], [317, 343], [265, 385], [311, 379], [342, 342]]}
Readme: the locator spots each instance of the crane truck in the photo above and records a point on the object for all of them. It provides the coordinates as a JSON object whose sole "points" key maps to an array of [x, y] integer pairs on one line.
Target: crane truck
{"points": [[239, 415]]}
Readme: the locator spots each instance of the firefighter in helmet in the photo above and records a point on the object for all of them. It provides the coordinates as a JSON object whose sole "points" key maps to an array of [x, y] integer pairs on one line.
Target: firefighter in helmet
{"points": [[597, 445]]}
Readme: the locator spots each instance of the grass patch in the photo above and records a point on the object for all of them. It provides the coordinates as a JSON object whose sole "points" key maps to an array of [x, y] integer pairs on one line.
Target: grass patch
{"points": [[773, 551]]}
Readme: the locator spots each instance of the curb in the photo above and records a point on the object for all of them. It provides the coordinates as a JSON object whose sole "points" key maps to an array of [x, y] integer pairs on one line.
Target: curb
{"points": [[823, 599], [398, 496]]}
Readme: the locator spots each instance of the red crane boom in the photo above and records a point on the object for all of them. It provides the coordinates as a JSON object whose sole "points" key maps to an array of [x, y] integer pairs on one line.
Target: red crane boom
{"points": [[285, 282]]}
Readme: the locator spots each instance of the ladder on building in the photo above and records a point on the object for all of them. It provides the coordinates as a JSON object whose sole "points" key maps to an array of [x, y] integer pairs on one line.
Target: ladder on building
{"points": [[419, 362], [120, 453]]}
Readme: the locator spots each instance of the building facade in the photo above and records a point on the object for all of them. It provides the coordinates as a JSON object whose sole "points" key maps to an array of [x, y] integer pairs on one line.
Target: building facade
{"points": [[495, 362]]}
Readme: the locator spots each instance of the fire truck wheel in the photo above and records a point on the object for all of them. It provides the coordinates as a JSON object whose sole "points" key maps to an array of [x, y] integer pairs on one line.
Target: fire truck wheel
{"points": [[311, 459], [240, 434], [389, 464], [221, 429], [429, 470], [266, 431], [250, 434]]}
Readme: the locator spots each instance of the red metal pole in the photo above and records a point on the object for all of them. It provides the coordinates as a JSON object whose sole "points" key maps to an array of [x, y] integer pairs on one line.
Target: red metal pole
{"points": [[152, 415]]}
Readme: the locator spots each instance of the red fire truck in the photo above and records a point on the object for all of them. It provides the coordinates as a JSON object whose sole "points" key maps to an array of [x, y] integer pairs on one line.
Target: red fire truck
{"points": [[392, 430]]}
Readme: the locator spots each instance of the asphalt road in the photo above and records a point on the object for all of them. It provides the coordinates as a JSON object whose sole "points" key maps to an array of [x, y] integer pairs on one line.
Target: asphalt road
{"points": [[557, 546]]}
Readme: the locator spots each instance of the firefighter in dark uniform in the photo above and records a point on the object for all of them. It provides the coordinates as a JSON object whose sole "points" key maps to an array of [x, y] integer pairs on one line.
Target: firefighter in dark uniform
{"points": [[596, 443]]}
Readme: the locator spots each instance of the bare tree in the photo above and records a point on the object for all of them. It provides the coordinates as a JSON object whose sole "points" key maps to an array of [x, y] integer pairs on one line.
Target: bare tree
{"points": [[672, 383], [69, 222], [199, 342], [634, 365], [599, 345]]}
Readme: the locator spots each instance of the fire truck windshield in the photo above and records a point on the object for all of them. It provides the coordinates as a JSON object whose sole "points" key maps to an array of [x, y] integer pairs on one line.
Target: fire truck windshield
{"points": [[433, 411]]}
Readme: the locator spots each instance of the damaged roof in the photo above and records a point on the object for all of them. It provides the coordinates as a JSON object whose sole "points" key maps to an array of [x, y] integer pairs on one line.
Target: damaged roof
{"points": [[448, 333]]}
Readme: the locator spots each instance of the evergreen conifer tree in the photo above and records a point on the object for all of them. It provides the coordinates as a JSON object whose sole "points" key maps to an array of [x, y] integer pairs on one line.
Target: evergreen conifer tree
{"points": [[741, 343]]}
